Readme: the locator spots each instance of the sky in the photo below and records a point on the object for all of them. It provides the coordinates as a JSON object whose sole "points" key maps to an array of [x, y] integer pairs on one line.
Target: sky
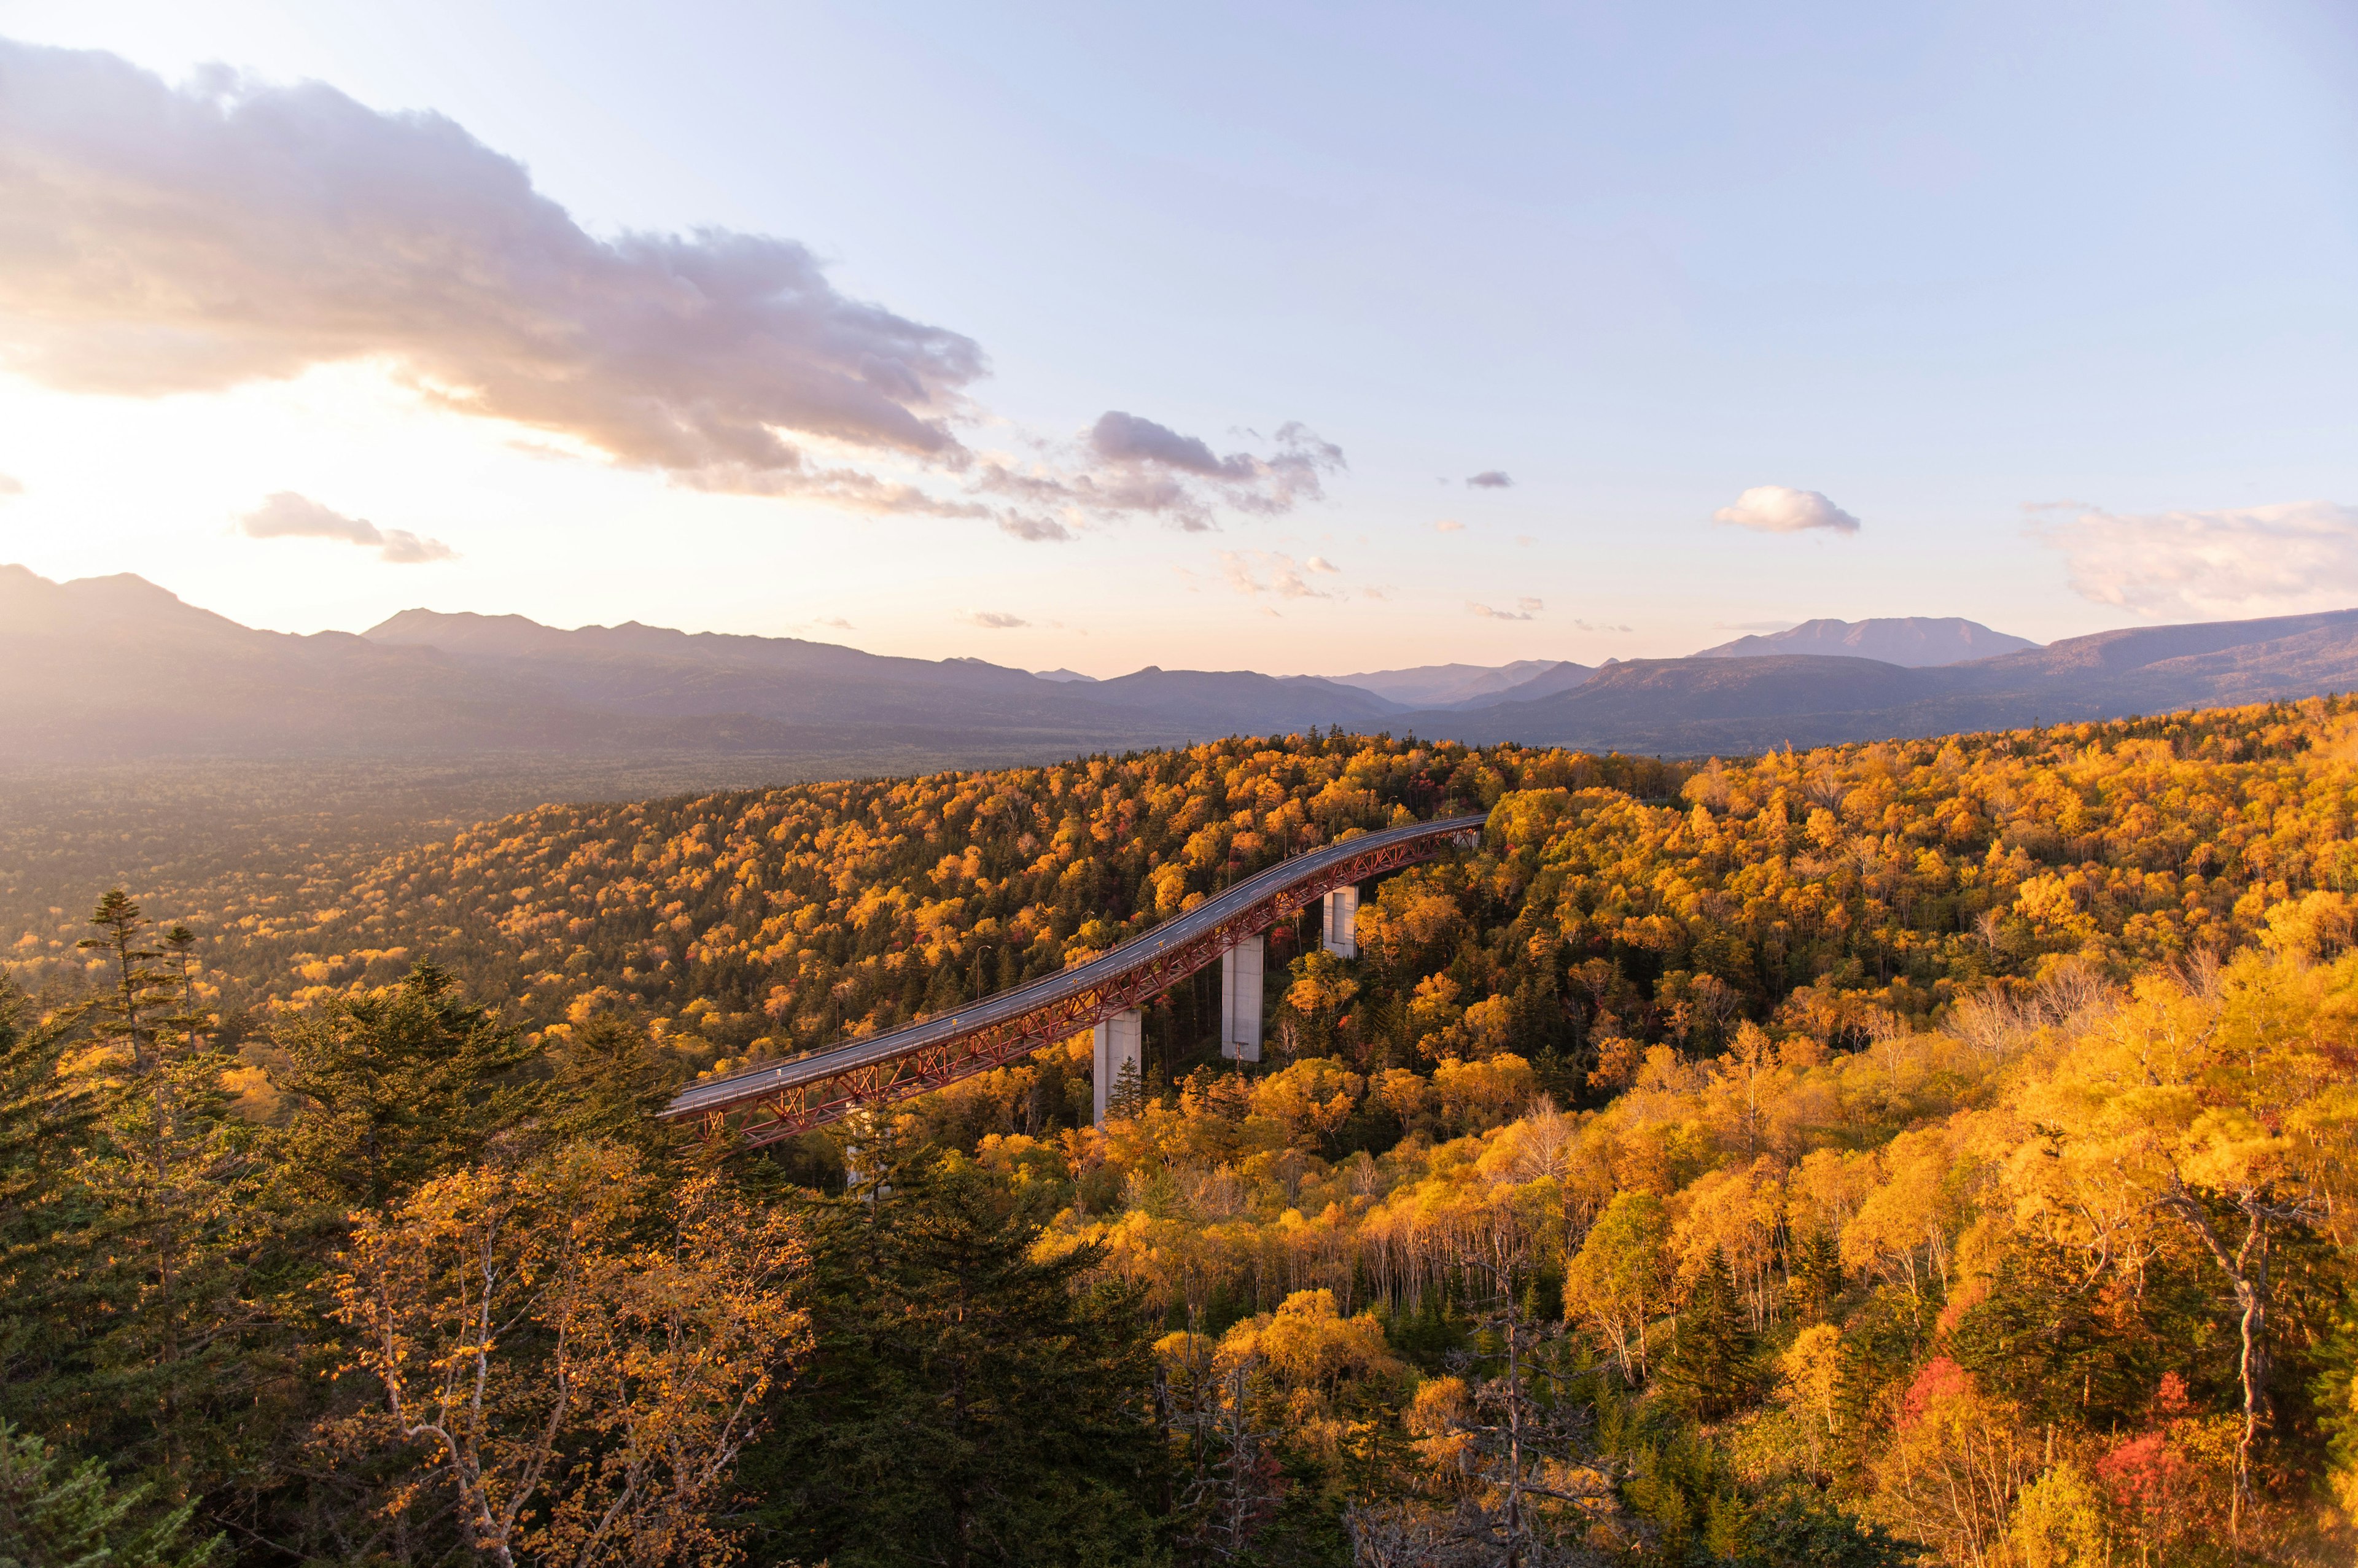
{"points": [[1303, 339]]}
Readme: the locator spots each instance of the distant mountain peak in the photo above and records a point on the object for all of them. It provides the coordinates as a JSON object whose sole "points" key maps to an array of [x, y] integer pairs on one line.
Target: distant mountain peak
{"points": [[1913, 641], [1443, 685]]}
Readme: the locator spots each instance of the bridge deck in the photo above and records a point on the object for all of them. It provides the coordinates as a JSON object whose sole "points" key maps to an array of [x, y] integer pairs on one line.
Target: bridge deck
{"points": [[810, 1090]]}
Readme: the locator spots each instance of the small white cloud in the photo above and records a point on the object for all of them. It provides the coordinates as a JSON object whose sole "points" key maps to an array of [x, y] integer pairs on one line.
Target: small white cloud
{"points": [[2255, 560], [10, 487], [838, 622], [1373, 593], [1596, 627], [1449, 526], [1524, 610], [1526, 540], [1754, 625], [1490, 479], [1321, 564], [1775, 509], [1284, 577], [993, 620], [287, 515]]}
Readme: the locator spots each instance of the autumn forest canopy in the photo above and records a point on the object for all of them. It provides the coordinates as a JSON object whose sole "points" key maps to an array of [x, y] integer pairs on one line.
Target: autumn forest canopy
{"points": [[1925, 1152]]}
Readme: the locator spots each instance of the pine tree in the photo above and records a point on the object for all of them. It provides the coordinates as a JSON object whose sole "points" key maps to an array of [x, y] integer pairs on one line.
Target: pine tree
{"points": [[1816, 1274], [974, 1404], [44, 1120], [73, 1519], [1709, 1371], [1127, 1097], [399, 1087], [609, 1082], [179, 1183], [131, 1011]]}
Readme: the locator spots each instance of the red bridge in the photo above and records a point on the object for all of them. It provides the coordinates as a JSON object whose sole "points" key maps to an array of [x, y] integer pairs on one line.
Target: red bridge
{"points": [[780, 1099]]}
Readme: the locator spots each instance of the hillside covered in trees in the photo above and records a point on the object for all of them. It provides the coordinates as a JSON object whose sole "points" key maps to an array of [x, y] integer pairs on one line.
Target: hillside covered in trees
{"points": [[1917, 1151]]}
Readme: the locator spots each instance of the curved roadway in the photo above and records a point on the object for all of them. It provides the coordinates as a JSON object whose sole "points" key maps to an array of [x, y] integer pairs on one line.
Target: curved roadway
{"points": [[735, 1089]]}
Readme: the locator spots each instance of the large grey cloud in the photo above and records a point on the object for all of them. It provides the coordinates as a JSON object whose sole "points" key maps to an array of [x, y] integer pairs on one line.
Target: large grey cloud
{"points": [[155, 239], [287, 515]]}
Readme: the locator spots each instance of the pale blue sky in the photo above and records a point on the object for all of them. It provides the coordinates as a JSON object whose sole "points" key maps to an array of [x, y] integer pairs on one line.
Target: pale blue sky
{"points": [[1934, 262]]}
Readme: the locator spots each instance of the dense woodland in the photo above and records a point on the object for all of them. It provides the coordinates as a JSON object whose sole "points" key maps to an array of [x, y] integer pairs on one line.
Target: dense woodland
{"points": [[1928, 1151]]}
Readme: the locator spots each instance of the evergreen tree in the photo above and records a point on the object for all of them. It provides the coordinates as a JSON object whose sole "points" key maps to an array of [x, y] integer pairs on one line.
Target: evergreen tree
{"points": [[175, 1353], [1709, 1371], [53, 1518], [1816, 1273], [397, 1087], [971, 1403], [609, 1081], [43, 1120]]}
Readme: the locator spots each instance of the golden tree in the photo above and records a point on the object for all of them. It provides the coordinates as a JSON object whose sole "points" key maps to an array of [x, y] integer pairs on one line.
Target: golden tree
{"points": [[577, 1391]]}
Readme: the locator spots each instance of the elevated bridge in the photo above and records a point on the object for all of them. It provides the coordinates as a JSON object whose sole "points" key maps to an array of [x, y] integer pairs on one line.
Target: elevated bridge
{"points": [[778, 1099]]}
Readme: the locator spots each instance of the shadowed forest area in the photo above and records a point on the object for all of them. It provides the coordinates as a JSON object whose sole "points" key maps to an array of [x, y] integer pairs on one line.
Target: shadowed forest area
{"points": [[1924, 1151]]}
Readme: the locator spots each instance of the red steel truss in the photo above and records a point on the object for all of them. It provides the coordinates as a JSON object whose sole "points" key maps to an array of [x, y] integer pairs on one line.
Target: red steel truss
{"points": [[778, 1101]]}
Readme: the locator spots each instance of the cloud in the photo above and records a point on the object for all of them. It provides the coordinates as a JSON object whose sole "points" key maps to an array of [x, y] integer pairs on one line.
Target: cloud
{"points": [[1373, 593], [2256, 560], [10, 486], [157, 239], [1490, 479], [1526, 539], [1285, 574], [1754, 625], [1775, 509], [1524, 610], [287, 515], [993, 620], [1034, 528], [1321, 564], [1449, 526], [1134, 465], [837, 621], [1596, 627], [1125, 437]]}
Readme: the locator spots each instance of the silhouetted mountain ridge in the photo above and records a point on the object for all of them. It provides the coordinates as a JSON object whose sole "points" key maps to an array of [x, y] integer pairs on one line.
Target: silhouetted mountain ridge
{"points": [[1739, 705], [1910, 640], [116, 667]]}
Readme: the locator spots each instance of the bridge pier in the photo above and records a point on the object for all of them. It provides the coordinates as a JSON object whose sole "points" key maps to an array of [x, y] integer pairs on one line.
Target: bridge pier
{"points": [[1340, 916], [1118, 1044], [1241, 971]]}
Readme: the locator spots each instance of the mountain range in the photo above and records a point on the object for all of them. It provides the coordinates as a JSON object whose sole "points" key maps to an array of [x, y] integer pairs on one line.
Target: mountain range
{"points": [[116, 667], [1698, 705]]}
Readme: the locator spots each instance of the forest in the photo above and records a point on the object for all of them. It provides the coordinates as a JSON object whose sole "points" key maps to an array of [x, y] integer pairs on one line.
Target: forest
{"points": [[1927, 1151]]}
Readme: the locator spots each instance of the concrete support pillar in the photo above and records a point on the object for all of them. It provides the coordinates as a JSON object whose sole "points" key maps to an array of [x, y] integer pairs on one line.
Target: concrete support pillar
{"points": [[1240, 969], [1119, 1041], [1342, 922]]}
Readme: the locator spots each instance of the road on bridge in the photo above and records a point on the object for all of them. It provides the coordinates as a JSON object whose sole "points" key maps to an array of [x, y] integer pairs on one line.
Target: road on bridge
{"points": [[780, 1099]]}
